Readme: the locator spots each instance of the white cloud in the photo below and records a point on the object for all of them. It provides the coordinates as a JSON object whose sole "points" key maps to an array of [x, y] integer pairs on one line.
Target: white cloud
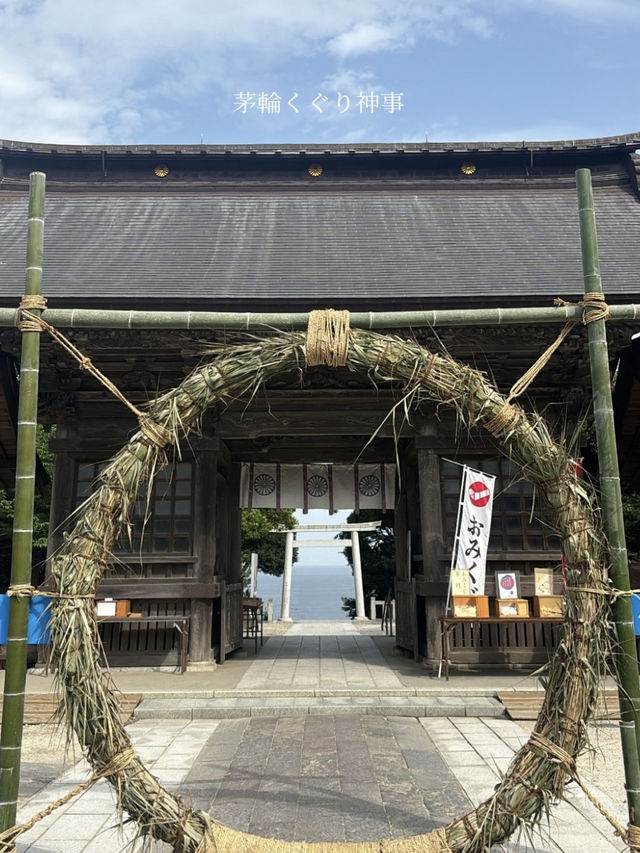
{"points": [[95, 72], [351, 80], [89, 72], [369, 37]]}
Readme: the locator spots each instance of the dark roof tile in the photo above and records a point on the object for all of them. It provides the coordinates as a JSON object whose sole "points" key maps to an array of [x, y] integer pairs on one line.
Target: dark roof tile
{"points": [[419, 245]]}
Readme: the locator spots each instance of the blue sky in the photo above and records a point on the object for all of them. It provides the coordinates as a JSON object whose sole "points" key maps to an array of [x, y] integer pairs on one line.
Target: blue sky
{"points": [[320, 556], [160, 72]]}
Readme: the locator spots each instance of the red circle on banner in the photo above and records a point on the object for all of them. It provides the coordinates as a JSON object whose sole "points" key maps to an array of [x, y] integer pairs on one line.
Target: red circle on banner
{"points": [[479, 493]]}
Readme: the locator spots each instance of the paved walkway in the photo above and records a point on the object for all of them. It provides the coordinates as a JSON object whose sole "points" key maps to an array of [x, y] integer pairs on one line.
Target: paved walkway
{"points": [[320, 655], [322, 668], [330, 776]]}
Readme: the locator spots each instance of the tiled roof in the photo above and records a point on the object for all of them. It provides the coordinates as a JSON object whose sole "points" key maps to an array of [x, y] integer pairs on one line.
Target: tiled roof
{"points": [[421, 245]]}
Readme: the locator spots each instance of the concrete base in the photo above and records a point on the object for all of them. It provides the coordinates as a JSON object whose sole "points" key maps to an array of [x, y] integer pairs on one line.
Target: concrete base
{"points": [[361, 619], [286, 619], [202, 666]]}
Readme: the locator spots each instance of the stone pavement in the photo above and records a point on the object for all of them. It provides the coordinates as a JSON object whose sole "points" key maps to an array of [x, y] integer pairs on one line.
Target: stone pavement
{"points": [[323, 668], [330, 776], [318, 778]]}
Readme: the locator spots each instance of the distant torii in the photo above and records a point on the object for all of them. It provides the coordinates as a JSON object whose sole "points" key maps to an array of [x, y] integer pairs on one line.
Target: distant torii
{"points": [[292, 542]]}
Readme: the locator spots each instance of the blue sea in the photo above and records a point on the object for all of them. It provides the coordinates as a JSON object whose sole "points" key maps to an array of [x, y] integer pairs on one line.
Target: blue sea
{"points": [[316, 591]]}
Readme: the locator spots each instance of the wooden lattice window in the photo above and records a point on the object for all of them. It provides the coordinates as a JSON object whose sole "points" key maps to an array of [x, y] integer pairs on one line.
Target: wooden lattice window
{"points": [[518, 524], [162, 518]]}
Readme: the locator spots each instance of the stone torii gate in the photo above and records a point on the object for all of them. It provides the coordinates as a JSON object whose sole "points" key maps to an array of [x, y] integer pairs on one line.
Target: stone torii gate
{"points": [[292, 542]]}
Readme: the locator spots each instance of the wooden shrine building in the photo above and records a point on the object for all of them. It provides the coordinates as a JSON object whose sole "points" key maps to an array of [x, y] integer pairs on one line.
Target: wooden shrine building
{"points": [[412, 226]]}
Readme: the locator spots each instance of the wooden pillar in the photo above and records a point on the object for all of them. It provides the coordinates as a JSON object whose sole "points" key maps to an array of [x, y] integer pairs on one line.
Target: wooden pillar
{"points": [[406, 526], [285, 607], [432, 535], [357, 575], [62, 500], [401, 529], [233, 601], [413, 539], [222, 527], [234, 566], [204, 548]]}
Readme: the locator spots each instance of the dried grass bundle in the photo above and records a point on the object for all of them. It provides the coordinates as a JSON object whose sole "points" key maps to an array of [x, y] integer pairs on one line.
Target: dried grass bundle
{"points": [[537, 775]]}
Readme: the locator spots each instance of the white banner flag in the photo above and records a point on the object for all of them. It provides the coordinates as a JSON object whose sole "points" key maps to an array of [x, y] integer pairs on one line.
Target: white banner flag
{"points": [[269, 485], [476, 499]]}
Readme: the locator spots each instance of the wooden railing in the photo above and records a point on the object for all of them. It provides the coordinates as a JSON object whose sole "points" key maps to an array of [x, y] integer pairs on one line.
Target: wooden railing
{"points": [[498, 641], [233, 616], [149, 643]]}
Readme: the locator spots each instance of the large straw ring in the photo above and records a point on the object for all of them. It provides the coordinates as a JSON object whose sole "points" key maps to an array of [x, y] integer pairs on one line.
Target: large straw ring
{"points": [[535, 777]]}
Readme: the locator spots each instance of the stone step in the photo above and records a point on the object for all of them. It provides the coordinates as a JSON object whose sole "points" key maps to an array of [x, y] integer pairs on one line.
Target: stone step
{"points": [[193, 708], [433, 689]]}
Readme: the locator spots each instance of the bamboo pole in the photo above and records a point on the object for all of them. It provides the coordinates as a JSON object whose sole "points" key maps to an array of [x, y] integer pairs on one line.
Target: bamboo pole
{"points": [[16, 667], [89, 318], [609, 480]]}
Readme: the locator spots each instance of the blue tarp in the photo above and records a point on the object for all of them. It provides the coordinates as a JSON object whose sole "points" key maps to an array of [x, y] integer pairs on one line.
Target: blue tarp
{"points": [[635, 609], [38, 625]]}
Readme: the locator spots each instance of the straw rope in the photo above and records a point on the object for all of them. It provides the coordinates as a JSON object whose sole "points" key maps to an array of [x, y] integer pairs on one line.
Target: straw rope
{"points": [[508, 417], [25, 590], [239, 371], [155, 432], [30, 301], [594, 304], [118, 762], [632, 838], [328, 338], [630, 834], [610, 592], [21, 590], [223, 839]]}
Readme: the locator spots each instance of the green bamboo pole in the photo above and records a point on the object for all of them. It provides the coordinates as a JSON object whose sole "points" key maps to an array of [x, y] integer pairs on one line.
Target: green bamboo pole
{"points": [[87, 318], [16, 667], [609, 480]]}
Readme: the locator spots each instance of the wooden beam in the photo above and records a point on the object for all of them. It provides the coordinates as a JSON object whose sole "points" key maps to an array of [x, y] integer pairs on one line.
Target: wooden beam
{"points": [[153, 588]]}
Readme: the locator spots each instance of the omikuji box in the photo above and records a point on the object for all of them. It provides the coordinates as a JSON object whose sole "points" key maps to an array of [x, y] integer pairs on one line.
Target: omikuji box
{"points": [[512, 608], [123, 606], [548, 606], [471, 606], [106, 608]]}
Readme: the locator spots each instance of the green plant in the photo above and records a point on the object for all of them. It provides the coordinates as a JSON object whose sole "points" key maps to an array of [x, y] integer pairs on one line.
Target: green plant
{"points": [[257, 537], [631, 512], [40, 516]]}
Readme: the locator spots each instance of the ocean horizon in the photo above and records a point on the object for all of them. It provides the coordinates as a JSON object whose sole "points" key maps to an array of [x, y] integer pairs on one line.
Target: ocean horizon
{"points": [[316, 591]]}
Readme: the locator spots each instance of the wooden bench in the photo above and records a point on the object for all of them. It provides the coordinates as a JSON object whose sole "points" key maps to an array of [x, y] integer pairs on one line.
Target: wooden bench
{"points": [[497, 640], [178, 622]]}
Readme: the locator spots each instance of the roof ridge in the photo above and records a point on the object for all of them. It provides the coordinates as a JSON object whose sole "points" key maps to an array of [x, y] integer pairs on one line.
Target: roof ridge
{"points": [[630, 141]]}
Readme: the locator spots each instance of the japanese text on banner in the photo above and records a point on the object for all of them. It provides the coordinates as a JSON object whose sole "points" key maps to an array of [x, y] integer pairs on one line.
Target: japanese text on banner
{"points": [[476, 498]]}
